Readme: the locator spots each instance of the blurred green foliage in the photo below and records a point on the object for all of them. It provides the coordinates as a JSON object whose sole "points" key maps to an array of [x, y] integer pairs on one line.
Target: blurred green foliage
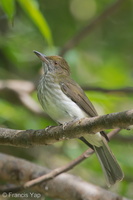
{"points": [[9, 8], [103, 58]]}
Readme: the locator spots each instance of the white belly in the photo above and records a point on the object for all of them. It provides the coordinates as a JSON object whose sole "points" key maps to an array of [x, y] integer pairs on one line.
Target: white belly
{"points": [[62, 109]]}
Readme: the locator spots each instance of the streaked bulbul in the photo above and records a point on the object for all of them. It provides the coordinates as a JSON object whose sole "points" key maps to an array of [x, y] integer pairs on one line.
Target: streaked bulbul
{"points": [[64, 100]]}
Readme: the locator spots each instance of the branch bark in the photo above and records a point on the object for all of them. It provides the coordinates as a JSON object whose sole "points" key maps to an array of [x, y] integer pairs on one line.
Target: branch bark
{"points": [[18, 171], [74, 129]]}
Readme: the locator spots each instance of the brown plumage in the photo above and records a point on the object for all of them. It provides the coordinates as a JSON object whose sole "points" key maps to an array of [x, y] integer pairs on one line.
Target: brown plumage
{"points": [[64, 100]]}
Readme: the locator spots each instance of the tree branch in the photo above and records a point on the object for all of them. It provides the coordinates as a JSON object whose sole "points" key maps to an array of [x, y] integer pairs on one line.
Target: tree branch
{"points": [[18, 171], [74, 129], [17, 85], [90, 27], [127, 90], [18, 92], [10, 87]]}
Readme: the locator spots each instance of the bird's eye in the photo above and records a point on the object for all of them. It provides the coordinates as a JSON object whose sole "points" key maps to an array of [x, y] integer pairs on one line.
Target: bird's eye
{"points": [[55, 63]]}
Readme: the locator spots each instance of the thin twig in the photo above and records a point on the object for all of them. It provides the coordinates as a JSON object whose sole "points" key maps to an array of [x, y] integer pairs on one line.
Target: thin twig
{"points": [[59, 170], [127, 90], [114, 132]]}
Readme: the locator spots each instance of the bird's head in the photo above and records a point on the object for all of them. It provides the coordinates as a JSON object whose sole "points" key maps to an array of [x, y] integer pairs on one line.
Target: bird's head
{"points": [[54, 64]]}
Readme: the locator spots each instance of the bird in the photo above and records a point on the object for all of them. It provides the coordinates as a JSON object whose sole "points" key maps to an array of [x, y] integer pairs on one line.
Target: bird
{"points": [[64, 100]]}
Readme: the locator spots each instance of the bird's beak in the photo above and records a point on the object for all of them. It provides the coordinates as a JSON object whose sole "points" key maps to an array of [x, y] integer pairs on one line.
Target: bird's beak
{"points": [[42, 57]]}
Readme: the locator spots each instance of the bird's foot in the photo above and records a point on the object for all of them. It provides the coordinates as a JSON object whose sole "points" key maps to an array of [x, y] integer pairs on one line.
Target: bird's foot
{"points": [[64, 125], [49, 127]]}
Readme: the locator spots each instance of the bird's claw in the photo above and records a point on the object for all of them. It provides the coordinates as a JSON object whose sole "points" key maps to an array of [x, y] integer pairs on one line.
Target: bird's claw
{"points": [[48, 128], [64, 125]]}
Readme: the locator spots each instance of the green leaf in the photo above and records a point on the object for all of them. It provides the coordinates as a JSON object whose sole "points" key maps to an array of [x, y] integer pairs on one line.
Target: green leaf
{"points": [[9, 8], [31, 8]]}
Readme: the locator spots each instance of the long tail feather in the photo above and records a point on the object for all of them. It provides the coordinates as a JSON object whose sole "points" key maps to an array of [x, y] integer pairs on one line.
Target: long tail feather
{"points": [[110, 166]]}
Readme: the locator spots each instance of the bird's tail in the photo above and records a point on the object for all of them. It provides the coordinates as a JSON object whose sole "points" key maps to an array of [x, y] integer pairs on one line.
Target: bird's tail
{"points": [[110, 166]]}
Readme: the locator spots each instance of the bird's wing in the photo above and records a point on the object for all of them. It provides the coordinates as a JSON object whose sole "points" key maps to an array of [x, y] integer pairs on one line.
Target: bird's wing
{"points": [[76, 94]]}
